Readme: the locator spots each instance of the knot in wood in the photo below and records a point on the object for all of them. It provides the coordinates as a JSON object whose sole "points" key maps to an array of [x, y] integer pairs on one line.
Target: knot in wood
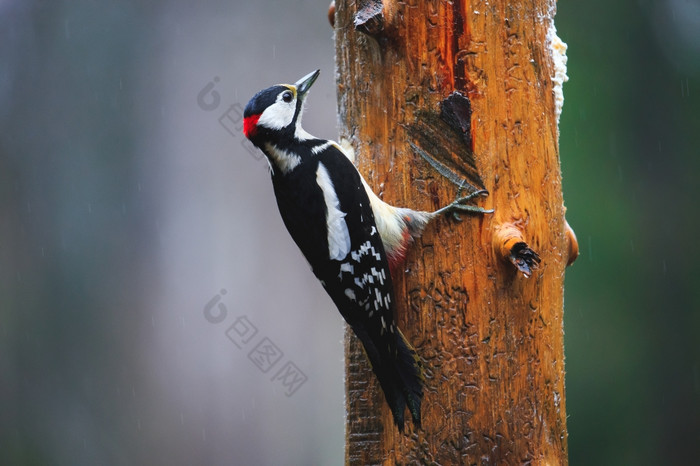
{"points": [[370, 18]]}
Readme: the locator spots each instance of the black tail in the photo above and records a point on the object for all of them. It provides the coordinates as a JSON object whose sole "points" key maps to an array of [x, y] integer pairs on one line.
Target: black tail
{"points": [[399, 373]]}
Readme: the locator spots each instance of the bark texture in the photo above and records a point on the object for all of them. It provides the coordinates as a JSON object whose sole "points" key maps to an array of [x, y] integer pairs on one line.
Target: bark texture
{"points": [[433, 95]]}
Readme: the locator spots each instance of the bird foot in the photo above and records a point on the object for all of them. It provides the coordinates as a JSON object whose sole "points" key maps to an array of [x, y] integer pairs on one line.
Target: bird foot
{"points": [[459, 205]]}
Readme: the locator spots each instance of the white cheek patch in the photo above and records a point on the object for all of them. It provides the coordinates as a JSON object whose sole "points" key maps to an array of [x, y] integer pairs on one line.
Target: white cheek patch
{"points": [[338, 234], [278, 115]]}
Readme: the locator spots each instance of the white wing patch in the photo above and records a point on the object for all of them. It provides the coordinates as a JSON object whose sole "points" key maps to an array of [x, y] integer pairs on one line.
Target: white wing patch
{"points": [[338, 234], [321, 147]]}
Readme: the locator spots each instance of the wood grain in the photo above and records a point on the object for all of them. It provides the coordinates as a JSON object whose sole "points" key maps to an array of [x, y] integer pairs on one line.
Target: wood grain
{"points": [[490, 338]]}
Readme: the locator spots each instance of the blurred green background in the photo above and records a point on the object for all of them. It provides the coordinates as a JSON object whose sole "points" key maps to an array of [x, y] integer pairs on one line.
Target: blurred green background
{"points": [[128, 203], [630, 152]]}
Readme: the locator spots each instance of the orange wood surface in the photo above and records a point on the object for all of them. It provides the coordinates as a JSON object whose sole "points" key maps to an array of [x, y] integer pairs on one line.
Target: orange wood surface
{"points": [[491, 340]]}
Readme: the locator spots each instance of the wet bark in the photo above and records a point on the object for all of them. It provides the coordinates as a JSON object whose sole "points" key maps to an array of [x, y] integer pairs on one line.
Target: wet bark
{"points": [[433, 95]]}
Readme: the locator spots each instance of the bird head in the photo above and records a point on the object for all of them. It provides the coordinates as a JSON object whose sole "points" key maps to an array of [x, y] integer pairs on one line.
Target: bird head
{"points": [[275, 112]]}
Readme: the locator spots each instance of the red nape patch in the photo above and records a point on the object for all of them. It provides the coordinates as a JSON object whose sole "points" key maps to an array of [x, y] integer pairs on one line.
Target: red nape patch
{"points": [[250, 125]]}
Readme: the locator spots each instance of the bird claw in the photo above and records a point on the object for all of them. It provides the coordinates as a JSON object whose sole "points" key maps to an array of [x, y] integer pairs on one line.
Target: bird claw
{"points": [[470, 196], [458, 205]]}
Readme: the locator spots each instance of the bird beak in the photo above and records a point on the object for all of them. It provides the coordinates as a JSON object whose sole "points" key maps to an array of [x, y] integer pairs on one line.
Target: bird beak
{"points": [[304, 84]]}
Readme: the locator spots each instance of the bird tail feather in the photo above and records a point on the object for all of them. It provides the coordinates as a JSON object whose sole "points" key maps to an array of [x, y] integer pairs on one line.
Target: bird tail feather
{"points": [[400, 375]]}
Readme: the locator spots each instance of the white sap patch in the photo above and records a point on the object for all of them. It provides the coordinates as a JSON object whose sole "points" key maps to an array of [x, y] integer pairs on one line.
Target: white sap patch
{"points": [[557, 49], [285, 160], [338, 234]]}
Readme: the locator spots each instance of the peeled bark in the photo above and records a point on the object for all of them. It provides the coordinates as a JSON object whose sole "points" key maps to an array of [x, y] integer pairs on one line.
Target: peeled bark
{"points": [[433, 95]]}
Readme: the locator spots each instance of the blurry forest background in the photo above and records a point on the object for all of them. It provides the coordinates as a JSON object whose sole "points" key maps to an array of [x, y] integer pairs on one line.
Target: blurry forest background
{"points": [[144, 266]]}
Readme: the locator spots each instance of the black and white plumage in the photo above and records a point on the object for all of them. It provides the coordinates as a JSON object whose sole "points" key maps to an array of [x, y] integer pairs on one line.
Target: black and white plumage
{"points": [[347, 234]]}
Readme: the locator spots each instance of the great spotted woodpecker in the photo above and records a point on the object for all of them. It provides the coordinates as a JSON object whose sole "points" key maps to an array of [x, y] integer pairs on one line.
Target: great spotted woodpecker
{"points": [[349, 236]]}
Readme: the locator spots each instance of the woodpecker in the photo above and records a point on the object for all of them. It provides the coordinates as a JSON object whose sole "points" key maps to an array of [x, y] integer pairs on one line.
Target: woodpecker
{"points": [[349, 236]]}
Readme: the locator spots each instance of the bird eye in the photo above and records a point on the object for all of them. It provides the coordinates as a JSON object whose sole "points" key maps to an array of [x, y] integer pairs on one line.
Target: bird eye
{"points": [[287, 96]]}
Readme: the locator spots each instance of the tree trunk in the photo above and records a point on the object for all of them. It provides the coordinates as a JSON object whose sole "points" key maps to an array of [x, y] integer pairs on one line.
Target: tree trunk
{"points": [[433, 95]]}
